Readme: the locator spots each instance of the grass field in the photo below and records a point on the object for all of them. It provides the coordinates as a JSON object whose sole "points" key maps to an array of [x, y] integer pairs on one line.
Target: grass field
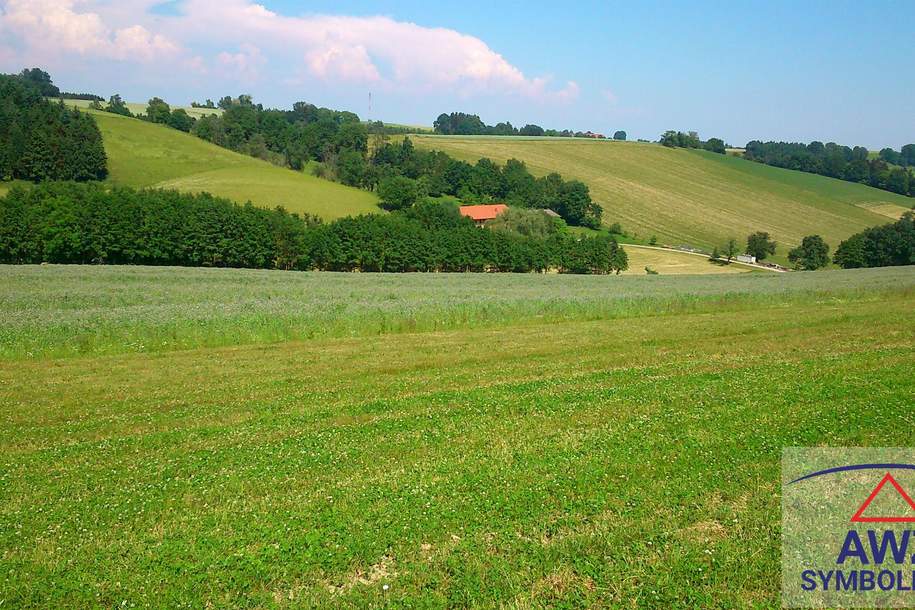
{"points": [[572, 441], [693, 197], [675, 263], [53, 310], [142, 154]]}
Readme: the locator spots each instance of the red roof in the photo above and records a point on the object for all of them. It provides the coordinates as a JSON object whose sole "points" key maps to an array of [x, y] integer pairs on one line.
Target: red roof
{"points": [[483, 212]]}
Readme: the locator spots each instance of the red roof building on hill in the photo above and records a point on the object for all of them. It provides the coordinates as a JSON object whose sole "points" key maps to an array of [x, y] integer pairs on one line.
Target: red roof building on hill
{"points": [[481, 213]]}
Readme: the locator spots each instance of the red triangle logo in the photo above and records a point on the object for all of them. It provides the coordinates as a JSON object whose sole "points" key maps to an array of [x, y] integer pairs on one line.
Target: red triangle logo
{"points": [[888, 478]]}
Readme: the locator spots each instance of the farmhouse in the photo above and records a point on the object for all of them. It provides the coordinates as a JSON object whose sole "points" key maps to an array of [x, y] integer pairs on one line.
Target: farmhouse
{"points": [[481, 213]]}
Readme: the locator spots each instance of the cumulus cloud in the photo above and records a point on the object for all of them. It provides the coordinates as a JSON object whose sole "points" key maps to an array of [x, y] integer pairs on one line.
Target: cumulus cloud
{"points": [[48, 27], [244, 65], [377, 50]]}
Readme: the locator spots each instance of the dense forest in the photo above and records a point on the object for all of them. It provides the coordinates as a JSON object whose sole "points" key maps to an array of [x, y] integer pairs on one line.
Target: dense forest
{"points": [[463, 124], [41, 140], [92, 223], [889, 245], [887, 172]]}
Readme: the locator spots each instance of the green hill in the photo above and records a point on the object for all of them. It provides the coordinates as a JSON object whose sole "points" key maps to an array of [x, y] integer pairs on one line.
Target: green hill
{"points": [[142, 154], [693, 197]]}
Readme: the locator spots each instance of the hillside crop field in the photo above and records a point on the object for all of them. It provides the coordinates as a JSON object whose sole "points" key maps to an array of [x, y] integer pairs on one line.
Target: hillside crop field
{"points": [[426, 440], [142, 154], [140, 108], [693, 197]]}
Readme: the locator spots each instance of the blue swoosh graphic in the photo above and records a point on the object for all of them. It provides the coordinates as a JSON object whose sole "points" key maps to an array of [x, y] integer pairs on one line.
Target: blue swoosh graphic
{"points": [[888, 466]]}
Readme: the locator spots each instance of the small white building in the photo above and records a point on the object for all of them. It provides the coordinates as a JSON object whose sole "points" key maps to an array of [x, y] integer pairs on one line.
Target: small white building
{"points": [[745, 258]]}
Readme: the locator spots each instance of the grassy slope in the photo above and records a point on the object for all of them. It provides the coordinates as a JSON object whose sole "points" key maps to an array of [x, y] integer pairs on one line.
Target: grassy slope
{"points": [[141, 154], [693, 197], [567, 464]]}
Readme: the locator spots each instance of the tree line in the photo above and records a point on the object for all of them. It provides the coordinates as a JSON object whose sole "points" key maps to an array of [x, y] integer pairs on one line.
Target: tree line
{"points": [[41, 140], [842, 162], [69, 222], [690, 139], [463, 124], [889, 245]]}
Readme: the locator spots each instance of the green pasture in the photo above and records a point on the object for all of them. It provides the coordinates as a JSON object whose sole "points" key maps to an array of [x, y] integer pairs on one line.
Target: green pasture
{"points": [[439, 441], [143, 154]]}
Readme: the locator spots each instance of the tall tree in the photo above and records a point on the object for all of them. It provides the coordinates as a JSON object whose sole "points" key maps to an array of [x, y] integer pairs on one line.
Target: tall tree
{"points": [[812, 254], [759, 245]]}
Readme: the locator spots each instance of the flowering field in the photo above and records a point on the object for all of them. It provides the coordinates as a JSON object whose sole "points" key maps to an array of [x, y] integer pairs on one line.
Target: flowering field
{"points": [[54, 310], [546, 440]]}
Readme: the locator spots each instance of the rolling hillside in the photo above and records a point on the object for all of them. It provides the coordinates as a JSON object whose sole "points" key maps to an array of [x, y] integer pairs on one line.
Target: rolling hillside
{"points": [[693, 197], [142, 154]]}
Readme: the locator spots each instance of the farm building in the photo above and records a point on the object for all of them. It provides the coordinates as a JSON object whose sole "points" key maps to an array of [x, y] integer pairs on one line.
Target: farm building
{"points": [[481, 213], [746, 258]]}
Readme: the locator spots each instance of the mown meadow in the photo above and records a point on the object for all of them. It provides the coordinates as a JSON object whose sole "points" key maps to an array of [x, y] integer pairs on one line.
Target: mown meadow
{"points": [[428, 440], [692, 197]]}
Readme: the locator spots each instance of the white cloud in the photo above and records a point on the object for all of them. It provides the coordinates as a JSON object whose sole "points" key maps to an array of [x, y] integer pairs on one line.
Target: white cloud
{"points": [[244, 65], [59, 27], [377, 50]]}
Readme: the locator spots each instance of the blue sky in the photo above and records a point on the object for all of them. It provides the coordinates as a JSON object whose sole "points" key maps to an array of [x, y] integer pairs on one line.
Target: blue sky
{"points": [[832, 71]]}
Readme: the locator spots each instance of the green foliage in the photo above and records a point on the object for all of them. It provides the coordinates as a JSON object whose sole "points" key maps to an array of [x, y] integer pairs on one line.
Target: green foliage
{"points": [[760, 245], [158, 111], [619, 135], [460, 123], [398, 192], [812, 254], [40, 80], [731, 250], [842, 162], [43, 141], [529, 223], [715, 145], [487, 181], [77, 223], [117, 106], [678, 139], [179, 119], [885, 246]]}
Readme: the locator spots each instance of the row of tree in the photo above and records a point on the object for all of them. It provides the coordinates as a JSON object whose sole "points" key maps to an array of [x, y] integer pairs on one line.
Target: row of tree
{"points": [[690, 139], [41, 140], [888, 245], [72, 222], [405, 175], [842, 162], [463, 124]]}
